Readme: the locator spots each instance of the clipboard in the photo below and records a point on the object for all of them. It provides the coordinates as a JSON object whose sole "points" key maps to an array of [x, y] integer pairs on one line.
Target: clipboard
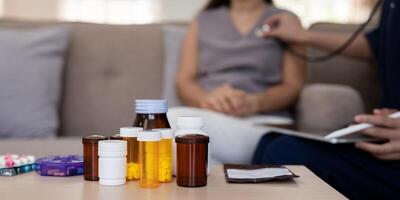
{"points": [[290, 175]]}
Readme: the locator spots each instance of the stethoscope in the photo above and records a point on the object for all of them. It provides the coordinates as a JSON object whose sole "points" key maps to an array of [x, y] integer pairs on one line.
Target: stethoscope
{"points": [[266, 28]]}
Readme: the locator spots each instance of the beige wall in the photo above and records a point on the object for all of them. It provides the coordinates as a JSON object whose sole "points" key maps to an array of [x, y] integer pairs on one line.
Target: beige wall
{"points": [[181, 10], [32, 9], [185, 10], [172, 10], [1, 8]]}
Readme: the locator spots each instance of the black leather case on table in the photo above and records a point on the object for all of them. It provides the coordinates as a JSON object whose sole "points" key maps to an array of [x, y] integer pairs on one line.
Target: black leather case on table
{"points": [[256, 180]]}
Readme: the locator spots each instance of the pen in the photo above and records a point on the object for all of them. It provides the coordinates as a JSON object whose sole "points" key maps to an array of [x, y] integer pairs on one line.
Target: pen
{"points": [[355, 128]]}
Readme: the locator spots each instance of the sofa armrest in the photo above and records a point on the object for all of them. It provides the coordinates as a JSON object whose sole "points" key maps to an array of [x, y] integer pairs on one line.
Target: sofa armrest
{"points": [[327, 107]]}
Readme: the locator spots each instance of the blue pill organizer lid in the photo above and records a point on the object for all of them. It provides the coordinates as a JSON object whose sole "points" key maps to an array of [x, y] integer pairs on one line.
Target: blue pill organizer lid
{"points": [[151, 106], [64, 165]]}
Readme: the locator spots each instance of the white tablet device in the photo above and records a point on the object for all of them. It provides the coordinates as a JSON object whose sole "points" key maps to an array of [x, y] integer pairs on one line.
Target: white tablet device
{"points": [[350, 138]]}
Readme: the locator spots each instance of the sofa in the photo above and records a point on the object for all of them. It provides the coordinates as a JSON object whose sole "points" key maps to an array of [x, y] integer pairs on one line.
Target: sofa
{"points": [[108, 66]]}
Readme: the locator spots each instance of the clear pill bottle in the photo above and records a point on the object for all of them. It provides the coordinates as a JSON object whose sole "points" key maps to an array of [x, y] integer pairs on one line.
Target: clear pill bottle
{"points": [[165, 155], [90, 156], [112, 162], [149, 142], [129, 134], [151, 114], [191, 152]]}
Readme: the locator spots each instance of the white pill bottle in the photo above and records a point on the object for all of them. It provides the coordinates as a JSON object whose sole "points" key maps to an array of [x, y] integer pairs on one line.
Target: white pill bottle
{"points": [[112, 162]]}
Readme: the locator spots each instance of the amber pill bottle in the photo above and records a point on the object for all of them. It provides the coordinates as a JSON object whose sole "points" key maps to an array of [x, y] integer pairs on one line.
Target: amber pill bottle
{"points": [[151, 114], [149, 158], [116, 137], [90, 156], [165, 155], [130, 134], [191, 153]]}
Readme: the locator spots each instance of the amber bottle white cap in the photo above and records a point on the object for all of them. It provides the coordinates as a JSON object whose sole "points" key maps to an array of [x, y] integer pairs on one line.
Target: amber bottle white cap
{"points": [[151, 106], [149, 136], [166, 133], [129, 131]]}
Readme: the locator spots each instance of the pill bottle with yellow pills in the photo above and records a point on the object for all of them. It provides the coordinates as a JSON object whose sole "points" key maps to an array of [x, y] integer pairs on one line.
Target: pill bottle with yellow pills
{"points": [[149, 142], [129, 134], [165, 155]]}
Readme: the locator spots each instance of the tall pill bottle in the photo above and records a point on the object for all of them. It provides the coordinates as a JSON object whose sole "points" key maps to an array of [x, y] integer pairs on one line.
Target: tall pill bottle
{"points": [[149, 142], [151, 114], [129, 134], [191, 152], [165, 155], [112, 162], [90, 156]]}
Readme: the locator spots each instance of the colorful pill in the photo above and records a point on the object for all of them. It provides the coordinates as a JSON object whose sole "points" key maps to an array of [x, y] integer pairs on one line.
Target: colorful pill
{"points": [[23, 160], [17, 162], [2, 163], [9, 163], [31, 159]]}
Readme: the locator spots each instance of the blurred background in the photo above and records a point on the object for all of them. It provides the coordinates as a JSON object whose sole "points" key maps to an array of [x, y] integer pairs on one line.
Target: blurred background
{"points": [[158, 11], [101, 67]]}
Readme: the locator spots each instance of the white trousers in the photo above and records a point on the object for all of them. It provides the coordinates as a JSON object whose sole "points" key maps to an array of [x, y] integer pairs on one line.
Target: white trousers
{"points": [[232, 140]]}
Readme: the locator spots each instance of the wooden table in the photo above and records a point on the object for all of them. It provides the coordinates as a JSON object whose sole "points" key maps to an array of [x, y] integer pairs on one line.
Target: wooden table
{"points": [[33, 186]]}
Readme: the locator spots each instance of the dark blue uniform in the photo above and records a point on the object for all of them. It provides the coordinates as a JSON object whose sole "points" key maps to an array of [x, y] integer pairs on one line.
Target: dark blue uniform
{"points": [[354, 173], [385, 43]]}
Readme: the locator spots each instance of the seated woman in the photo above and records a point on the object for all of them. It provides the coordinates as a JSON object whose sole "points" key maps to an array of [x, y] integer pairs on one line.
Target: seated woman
{"points": [[227, 72]]}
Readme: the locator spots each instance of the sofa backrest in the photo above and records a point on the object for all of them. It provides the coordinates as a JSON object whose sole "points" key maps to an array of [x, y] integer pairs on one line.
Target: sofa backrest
{"points": [[108, 67], [358, 74]]}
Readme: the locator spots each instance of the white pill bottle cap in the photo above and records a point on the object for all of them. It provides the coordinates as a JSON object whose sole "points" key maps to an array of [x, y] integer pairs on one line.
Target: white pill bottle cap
{"points": [[190, 125], [151, 106], [166, 133], [129, 131], [149, 136]]}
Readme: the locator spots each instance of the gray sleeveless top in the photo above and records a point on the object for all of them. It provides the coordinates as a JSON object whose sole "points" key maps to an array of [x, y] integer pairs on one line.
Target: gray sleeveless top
{"points": [[246, 62]]}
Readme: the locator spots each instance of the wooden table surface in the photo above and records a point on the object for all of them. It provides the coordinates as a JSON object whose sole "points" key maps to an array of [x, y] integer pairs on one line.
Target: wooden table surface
{"points": [[32, 186]]}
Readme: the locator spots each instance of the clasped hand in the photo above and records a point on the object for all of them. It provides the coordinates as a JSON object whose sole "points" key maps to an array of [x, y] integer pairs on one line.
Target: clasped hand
{"points": [[231, 101]]}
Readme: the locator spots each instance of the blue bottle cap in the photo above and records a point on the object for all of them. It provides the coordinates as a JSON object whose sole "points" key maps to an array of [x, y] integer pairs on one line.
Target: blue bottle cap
{"points": [[151, 106]]}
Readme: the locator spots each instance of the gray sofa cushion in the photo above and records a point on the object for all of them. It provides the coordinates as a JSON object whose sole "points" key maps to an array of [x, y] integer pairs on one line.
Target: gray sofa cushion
{"points": [[327, 107], [173, 38], [31, 63]]}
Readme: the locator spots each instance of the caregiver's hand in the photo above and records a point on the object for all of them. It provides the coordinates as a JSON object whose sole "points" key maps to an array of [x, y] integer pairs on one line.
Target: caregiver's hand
{"points": [[224, 99], [386, 128], [287, 27]]}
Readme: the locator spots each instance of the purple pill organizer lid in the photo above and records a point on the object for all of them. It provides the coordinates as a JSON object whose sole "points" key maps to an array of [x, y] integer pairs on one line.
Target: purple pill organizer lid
{"points": [[69, 165]]}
